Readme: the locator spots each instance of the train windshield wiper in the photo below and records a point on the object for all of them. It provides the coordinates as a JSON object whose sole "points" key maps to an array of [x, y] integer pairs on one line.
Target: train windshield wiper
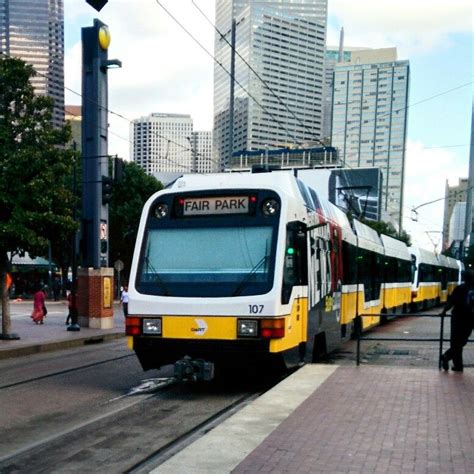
{"points": [[151, 270], [249, 275]]}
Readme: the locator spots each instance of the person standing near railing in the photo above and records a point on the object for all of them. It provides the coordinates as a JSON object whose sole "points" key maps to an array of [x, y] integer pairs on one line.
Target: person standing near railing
{"points": [[462, 321]]}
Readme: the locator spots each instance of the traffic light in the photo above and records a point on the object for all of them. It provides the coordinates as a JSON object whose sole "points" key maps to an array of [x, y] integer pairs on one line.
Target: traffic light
{"points": [[97, 4], [107, 185]]}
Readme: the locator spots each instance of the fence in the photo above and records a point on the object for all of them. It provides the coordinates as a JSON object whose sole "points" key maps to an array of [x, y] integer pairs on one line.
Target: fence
{"points": [[361, 337]]}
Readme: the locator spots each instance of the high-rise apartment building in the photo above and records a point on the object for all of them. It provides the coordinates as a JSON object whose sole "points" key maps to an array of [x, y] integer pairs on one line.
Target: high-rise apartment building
{"points": [[369, 119], [202, 153], [162, 143], [333, 56], [456, 234], [278, 99], [33, 30], [453, 195]]}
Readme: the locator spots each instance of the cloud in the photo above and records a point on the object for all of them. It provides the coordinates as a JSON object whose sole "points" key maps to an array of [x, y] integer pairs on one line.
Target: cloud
{"points": [[163, 68], [413, 26], [426, 172]]}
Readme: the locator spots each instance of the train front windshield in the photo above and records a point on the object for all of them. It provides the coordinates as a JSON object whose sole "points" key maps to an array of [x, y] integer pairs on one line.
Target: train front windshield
{"points": [[207, 261]]}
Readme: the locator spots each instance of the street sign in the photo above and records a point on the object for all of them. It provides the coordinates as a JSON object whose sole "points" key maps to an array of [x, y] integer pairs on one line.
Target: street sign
{"points": [[118, 265]]}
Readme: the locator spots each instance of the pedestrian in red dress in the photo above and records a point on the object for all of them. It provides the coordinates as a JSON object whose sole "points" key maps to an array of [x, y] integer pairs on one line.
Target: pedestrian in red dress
{"points": [[39, 307]]}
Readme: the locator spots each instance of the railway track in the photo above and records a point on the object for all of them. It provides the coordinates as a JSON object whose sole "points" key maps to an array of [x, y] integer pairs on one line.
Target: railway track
{"points": [[63, 372], [164, 453], [133, 432]]}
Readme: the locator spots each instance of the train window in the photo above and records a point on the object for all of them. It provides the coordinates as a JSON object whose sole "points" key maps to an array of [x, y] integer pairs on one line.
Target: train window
{"points": [[413, 270], [349, 254], [208, 262]]}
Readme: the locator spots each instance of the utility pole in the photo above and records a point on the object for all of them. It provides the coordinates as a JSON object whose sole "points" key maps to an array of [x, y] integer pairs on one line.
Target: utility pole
{"points": [[231, 98], [74, 326], [193, 144]]}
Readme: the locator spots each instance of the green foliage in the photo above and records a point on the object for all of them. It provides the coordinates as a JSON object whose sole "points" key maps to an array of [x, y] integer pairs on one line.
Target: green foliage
{"points": [[388, 229], [128, 197], [35, 206]]}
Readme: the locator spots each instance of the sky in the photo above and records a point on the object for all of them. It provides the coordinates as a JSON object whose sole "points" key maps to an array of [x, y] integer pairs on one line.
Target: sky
{"points": [[165, 70]]}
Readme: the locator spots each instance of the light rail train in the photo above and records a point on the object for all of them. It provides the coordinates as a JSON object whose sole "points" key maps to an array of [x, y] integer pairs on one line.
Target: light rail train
{"points": [[247, 269]]}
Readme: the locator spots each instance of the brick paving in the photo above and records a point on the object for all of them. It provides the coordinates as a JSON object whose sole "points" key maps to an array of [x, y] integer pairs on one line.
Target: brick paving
{"points": [[376, 419]]}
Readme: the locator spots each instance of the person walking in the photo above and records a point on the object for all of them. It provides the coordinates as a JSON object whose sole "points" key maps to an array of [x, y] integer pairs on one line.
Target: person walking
{"points": [[461, 301], [39, 307], [124, 300]]}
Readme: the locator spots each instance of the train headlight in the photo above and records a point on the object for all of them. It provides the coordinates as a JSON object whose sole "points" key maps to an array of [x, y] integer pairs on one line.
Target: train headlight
{"points": [[152, 326], [161, 210], [270, 207], [247, 328]]}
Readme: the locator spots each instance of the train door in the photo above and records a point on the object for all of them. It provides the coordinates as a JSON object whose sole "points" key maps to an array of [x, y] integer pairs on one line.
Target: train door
{"points": [[324, 288]]}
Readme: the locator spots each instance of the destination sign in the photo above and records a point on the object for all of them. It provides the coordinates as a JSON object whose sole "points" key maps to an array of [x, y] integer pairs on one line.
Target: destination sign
{"points": [[215, 205]]}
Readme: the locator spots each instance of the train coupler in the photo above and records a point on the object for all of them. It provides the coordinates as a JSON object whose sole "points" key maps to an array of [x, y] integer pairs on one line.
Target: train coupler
{"points": [[190, 370]]}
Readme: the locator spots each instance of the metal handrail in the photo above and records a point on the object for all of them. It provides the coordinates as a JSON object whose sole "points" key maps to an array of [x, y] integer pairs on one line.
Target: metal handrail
{"points": [[441, 339]]}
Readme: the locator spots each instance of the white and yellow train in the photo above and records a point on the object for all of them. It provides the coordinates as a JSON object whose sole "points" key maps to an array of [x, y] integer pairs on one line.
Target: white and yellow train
{"points": [[241, 269]]}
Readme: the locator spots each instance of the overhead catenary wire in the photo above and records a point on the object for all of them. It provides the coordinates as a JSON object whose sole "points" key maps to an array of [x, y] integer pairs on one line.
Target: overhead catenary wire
{"points": [[123, 117], [281, 125], [375, 151], [257, 75], [188, 149]]}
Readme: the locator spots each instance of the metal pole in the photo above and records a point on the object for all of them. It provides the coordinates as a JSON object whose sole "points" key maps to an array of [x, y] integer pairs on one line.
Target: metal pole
{"points": [[358, 346], [74, 326], [50, 271], [118, 286], [441, 337], [228, 159]]}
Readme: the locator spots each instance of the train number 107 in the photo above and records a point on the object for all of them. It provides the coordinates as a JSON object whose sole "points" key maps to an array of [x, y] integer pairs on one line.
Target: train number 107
{"points": [[255, 308]]}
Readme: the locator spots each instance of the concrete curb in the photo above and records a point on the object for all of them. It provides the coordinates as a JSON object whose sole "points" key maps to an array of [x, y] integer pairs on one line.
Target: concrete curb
{"points": [[57, 345]]}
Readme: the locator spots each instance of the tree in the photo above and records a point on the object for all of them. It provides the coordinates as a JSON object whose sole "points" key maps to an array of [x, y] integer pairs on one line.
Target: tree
{"points": [[125, 208], [34, 203]]}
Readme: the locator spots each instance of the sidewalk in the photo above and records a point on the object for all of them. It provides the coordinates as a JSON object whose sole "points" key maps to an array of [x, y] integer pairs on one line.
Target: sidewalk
{"points": [[321, 419], [345, 419], [53, 334]]}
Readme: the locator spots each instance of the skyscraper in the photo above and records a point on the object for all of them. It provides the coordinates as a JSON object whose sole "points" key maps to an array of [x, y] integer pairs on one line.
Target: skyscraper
{"points": [[162, 142], [333, 56], [453, 195], [278, 99], [202, 152], [33, 30], [370, 119]]}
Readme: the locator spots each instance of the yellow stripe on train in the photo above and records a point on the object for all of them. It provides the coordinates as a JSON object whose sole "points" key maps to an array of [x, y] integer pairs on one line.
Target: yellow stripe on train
{"points": [[199, 327], [225, 327]]}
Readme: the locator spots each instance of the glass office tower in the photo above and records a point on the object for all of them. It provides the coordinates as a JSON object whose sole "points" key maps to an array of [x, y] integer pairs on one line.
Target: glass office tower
{"points": [[33, 30], [370, 121], [283, 42]]}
